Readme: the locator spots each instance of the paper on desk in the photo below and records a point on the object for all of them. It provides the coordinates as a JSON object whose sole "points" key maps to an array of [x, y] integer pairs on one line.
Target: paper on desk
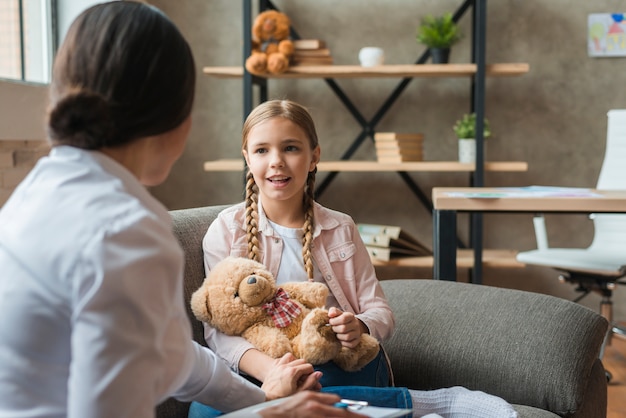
{"points": [[530, 191]]}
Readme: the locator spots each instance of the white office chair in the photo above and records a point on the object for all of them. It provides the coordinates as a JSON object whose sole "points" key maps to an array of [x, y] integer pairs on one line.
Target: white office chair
{"points": [[601, 266]]}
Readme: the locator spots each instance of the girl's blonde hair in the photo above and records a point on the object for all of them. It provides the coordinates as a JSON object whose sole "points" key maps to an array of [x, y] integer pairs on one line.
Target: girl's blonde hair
{"points": [[299, 115]]}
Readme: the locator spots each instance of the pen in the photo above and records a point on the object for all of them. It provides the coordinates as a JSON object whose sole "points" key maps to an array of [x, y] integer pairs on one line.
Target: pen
{"points": [[351, 404]]}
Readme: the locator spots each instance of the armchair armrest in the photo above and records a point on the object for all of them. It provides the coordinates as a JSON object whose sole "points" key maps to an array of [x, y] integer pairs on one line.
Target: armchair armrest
{"points": [[528, 348]]}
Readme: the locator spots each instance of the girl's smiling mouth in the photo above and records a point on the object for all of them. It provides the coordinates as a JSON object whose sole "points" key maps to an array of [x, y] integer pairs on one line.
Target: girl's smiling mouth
{"points": [[279, 180]]}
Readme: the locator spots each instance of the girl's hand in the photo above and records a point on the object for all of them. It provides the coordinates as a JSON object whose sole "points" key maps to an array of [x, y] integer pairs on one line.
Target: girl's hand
{"points": [[309, 404], [347, 327], [288, 376]]}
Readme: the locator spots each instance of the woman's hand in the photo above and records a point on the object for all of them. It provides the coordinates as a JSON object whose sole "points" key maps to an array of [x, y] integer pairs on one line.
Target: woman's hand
{"points": [[290, 375], [347, 327], [309, 404]]}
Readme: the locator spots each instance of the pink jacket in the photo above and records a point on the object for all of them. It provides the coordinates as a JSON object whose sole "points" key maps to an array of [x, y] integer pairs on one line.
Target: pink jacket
{"points": [[338, 252]]}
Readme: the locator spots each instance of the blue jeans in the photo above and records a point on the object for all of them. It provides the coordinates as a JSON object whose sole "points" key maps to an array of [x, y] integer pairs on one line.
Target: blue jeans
{"points": [[384, 397], [374, 374], [368, 384]]}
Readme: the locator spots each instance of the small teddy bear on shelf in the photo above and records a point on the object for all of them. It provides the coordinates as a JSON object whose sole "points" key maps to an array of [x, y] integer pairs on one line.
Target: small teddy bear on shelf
{"points": [[271, 47], [240, 297]]}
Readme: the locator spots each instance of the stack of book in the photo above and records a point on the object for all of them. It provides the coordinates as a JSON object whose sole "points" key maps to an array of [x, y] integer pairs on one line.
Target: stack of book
{"points": [[384, 242], [395, 147], [311, 52]]}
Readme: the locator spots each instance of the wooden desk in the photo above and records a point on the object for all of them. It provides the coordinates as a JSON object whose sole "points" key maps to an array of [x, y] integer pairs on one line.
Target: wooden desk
{"points": [[447, 201]]}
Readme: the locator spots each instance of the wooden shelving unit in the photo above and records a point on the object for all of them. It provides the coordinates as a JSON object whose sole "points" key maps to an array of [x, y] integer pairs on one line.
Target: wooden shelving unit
{"points": [[476, 71], [464, 257]]}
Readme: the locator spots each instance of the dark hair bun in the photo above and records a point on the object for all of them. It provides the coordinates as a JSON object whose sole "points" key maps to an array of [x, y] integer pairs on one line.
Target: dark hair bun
{"points": [[82, 120]]}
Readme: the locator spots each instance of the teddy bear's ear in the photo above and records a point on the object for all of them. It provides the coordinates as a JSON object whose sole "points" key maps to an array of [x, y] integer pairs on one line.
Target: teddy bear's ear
{"points": [[200, 303]]}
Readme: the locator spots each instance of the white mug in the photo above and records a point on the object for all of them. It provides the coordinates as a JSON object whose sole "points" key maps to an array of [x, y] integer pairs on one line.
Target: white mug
{"points": [[370, 56]]}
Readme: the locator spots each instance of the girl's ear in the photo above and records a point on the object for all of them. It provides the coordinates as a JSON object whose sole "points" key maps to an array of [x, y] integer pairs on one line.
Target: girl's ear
{"points": [[245, 155], [315, 158]]}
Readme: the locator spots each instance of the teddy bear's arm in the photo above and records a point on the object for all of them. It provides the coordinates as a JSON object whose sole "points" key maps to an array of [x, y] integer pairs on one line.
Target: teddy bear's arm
{"points": [[310, 294], [286, 47], [269, 340]]}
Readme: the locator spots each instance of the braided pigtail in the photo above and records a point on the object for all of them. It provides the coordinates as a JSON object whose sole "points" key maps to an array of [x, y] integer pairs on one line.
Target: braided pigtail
{"points": [[309, 223], [252, 218]]}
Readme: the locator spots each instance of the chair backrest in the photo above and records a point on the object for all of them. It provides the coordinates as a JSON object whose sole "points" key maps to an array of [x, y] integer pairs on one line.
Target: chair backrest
{"points": [[610, 230]]}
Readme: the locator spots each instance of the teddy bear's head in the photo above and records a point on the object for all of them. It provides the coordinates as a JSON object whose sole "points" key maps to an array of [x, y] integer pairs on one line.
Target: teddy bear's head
{"points": [[271, 25], [231, 298]]}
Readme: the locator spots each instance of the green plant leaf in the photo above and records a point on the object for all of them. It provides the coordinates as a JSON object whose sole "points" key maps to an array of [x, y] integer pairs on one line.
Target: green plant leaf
{"points": [[438, 31], [466, 127]]}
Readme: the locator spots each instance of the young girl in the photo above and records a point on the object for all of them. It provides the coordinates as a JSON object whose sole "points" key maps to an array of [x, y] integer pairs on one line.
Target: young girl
{"points": [[280, 225]]}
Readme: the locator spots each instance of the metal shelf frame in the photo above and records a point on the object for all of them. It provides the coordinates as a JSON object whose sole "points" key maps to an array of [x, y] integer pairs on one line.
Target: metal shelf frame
{"points": [[477, 105]]}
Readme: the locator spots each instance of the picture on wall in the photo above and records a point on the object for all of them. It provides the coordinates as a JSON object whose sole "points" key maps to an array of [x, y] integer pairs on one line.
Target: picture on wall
{"points": [[606, 35]]}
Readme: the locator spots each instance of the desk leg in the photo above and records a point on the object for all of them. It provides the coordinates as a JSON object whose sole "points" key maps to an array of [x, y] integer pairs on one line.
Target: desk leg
{"points": [[477, 245], [444, 245]]}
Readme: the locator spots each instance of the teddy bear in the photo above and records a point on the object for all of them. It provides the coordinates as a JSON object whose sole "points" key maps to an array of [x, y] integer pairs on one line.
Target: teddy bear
{"points": [[271, 47], [240, 297]]}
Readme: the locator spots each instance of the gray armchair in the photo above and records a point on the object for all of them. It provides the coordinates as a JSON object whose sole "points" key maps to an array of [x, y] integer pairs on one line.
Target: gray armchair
{"points": [[538, 352]]}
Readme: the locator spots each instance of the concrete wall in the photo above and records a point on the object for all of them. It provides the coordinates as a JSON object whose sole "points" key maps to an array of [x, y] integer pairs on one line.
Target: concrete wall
{"points": [[554, 117], [22, 110]]}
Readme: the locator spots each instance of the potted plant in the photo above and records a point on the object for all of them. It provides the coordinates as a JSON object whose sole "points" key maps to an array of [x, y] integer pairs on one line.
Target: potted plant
{"points": [[465, 130], [439, 33]]}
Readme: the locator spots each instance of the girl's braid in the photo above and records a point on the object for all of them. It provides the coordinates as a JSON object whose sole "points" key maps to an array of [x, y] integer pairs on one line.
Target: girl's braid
{"points": [[309, 223], [252, 218]]}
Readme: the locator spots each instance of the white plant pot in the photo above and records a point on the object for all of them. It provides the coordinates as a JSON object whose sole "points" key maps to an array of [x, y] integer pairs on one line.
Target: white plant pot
{"points": [[371, 56], [467, 150]]}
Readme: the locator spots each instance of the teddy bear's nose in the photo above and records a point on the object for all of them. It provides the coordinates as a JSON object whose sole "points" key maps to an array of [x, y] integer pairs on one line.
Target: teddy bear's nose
{"points": [[252, 280]]}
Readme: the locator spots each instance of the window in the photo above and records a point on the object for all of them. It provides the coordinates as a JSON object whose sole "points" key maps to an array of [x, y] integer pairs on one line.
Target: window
{"points": [[27, 42]]}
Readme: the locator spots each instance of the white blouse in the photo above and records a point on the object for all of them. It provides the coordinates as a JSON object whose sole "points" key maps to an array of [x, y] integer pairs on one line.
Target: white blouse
{"points": [[91, 300]]}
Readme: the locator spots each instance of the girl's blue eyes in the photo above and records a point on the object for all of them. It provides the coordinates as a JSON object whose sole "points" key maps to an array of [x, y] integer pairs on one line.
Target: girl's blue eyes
{"points": [[289, 148]]}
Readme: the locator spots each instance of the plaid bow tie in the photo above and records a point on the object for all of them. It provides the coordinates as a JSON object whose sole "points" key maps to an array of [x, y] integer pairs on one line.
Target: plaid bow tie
{"points": [[282, 309]]}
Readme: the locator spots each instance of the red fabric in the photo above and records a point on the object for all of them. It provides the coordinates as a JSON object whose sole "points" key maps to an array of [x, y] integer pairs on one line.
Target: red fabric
{"points": [[282, 309]]}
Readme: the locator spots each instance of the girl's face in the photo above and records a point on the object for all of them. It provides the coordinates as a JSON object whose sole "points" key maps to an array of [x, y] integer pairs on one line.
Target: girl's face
{"points": [[280, 157]]}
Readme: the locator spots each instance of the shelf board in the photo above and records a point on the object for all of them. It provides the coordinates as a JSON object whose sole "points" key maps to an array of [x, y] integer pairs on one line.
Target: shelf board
{"points": [[381, 71], [373, 166], [464, 259]]}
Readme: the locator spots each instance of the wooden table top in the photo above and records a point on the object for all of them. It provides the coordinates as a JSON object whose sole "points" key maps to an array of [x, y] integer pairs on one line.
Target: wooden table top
{"points": [[531, 199]]}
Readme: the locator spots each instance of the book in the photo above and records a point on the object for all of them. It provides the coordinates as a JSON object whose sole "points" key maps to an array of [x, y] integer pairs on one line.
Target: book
{"points": [[320, 52], [397, 145], [384, 242], [407, 152], [399, 136], [308, 44]]}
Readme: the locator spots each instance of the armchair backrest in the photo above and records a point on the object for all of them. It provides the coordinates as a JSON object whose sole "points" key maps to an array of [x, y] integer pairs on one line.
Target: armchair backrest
{"points": [[190, 226]]}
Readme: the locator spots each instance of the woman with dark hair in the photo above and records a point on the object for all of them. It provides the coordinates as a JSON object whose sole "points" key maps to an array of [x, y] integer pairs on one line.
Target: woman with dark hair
{"points": [[93, 322]]}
